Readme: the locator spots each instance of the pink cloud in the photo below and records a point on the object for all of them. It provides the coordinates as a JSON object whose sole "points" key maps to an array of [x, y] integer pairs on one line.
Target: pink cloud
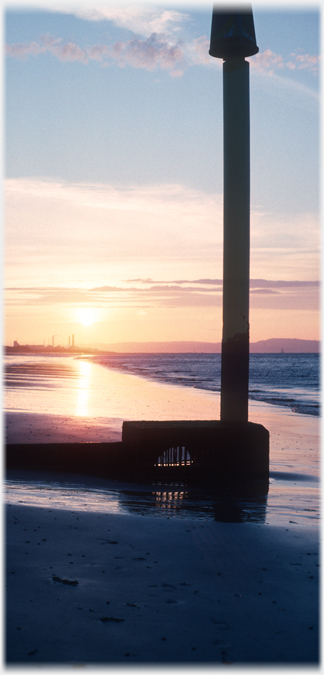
{"points": [[149, 54], [98, 52], [65, 52], [271, 294], [307, 61], [200, 50], [155, 52], [269, 61], [21, 51]]}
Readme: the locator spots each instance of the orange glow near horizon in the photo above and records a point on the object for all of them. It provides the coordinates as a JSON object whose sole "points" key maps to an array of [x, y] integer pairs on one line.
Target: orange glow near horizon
{"points": [[154, 274]]}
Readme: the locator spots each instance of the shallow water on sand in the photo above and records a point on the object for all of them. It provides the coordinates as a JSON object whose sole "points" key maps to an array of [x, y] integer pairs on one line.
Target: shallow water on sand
{"points": [[288, 499]]}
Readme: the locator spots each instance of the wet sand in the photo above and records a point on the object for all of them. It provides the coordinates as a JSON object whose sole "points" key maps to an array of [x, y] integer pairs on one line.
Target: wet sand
{"points": [[114, 589], [96, 587]]}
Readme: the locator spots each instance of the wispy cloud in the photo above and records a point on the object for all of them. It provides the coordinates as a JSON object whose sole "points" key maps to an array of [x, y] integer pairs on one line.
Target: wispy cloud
{"points": [[169, 23], [304, 62], [154, 46], [155, 42], [140, 20], [149, 54], [160, 39], [68, 51], [269, 62], [85, 229], [265, 293], [198, 52], [260, 284], [179, 282]]}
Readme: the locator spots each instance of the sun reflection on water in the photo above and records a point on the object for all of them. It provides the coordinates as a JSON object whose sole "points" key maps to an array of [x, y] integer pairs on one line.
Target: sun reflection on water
{"points": [[83, 388]]}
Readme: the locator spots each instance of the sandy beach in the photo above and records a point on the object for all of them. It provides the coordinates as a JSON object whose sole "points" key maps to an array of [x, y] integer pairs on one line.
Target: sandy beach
{"points": [[109, 584]]}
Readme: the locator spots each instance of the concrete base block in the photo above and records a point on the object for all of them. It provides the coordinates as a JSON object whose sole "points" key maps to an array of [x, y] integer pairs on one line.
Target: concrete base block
{"points": [[212, 449], [99, 459]]}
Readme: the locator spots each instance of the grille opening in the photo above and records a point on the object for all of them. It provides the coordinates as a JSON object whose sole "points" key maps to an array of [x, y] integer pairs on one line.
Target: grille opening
{"points": [[178, 456]]}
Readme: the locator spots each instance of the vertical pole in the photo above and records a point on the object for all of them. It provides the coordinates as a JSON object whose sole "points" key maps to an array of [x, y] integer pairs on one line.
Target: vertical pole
{"points": [[235, 341]]}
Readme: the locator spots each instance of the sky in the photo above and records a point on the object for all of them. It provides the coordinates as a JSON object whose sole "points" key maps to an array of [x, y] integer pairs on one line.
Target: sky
{"points": [[114, 173]]}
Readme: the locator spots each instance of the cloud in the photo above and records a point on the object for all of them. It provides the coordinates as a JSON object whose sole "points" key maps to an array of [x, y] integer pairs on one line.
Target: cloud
{"points": [[254, 283], [304, 61], [140, 232], [169, 23], [213, 282], [23, 50], [265, 293], [155, 43], [198, 52], [272, 72], [68, 51], [157, 49], [140, 20], [267, 284], [268, 61], [85, 228], [149, 54]]}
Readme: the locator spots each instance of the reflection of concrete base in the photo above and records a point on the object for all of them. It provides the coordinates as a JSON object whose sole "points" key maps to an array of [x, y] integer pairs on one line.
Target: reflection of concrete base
{"points": [[200, 448]]}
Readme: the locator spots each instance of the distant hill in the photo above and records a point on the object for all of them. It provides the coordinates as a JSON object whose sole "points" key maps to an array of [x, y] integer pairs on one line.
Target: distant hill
{"points": [[271, 346], [287, 345]]}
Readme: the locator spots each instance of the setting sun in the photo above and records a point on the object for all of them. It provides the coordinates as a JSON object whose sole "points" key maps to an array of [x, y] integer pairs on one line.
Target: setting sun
{"points": [[87, 315]]}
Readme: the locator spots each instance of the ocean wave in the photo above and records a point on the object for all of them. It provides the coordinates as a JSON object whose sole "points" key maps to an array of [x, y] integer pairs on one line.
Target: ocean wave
{"points": [[289, 380]]}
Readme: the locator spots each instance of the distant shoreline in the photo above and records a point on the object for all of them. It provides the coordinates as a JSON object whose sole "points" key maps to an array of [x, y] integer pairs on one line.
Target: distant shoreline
{"points": [[270, 346]]}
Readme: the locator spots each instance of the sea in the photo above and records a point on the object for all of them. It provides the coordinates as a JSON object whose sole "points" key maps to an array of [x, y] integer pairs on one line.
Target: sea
{"points": [[287, 380]]}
